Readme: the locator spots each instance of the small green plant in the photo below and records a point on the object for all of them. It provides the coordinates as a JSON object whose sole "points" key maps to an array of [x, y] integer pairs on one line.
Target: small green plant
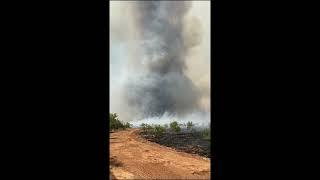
{"points": [[174, 126]]}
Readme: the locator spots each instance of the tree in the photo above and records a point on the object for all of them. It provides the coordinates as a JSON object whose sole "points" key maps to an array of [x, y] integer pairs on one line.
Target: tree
{"points": [[114, 122]]}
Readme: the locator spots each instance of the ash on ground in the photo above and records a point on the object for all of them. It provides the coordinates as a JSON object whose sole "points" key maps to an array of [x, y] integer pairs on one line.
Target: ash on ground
{"points": [[186, 141]]}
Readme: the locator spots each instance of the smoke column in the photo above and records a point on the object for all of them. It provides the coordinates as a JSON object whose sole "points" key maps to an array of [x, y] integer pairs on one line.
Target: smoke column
{"points": [[157, 85]]}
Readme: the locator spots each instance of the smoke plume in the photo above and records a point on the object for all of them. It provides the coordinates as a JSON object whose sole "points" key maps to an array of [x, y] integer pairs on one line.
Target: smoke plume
{"points": [[161, 38]]}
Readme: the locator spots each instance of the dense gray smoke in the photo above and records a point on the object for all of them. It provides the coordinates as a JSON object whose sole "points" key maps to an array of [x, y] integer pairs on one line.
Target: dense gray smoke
{"points": [[164, 87], [160, 61]]}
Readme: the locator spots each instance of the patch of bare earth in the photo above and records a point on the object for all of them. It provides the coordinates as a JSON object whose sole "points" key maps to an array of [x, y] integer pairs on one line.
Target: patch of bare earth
{"points": [[132, 157]]}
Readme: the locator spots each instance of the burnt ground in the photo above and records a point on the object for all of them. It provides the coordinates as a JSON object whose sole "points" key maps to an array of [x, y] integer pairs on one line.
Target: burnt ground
{"points": [[187, 141]]}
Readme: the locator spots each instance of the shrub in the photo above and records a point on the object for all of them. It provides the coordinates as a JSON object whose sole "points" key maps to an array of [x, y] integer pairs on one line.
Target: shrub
{"points": [[127, 125], [189, 124], [143, 126], [158, 130], [174, 126], [206, 134], [146, 127], [115, 123], [149, 128]]}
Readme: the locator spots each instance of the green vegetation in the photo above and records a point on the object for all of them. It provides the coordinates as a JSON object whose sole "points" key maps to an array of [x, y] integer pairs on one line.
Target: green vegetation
{"points": [[146, 127], [115, 123], [206, 134], [156, 130], [174, 126], [127, 125], [189, 124], [143, 126]]}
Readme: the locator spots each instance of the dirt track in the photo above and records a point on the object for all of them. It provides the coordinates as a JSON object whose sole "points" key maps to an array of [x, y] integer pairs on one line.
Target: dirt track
{"points": [[132, 157]]}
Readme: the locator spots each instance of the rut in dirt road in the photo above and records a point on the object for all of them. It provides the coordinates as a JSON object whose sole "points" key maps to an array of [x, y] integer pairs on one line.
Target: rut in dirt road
{"points": [[132, 157]]}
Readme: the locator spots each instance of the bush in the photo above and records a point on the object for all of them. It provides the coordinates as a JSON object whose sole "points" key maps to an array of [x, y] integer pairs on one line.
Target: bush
{"points": [[158, 130], [127, 125], [174, 126], [146, 127], [143, 126], [149, 128], [189, 124], [115, 123]]}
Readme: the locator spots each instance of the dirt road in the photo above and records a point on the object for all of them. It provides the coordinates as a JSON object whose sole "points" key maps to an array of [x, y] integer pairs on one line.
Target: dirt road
{"points": [[132, 157]]}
